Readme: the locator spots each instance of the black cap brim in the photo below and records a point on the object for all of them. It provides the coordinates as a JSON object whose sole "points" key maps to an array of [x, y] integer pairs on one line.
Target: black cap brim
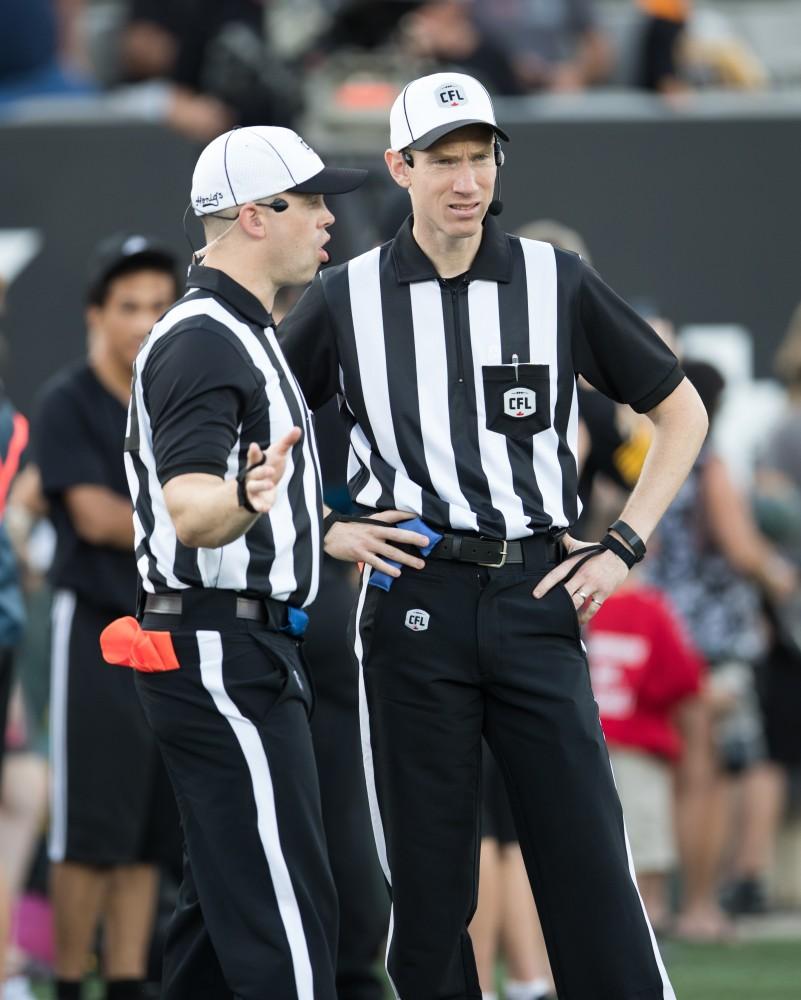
{"points": [[428, 140], [332, 180]]}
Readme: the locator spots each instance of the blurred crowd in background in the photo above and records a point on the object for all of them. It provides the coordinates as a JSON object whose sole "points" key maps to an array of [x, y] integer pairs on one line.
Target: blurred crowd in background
{"points": [[207, 65], [696, 663]]}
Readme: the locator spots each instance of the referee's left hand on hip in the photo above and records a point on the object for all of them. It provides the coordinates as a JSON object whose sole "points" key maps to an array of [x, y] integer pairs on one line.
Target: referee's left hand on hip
{"points": [[599, 577], [261, 483]]}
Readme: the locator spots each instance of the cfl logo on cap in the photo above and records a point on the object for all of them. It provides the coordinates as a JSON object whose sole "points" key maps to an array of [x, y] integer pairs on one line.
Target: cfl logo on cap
{"points": [[450, 96], [519, 402], [417, 620]]}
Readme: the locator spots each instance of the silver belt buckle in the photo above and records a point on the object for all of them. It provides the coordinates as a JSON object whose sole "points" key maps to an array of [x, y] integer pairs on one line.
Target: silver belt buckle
{"points": [[504, 552]]}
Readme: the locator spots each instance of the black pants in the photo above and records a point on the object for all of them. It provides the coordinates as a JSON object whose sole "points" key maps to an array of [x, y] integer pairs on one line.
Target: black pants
{"points": [[110, 800], [256, 916], [363, 903], [450, 653]]}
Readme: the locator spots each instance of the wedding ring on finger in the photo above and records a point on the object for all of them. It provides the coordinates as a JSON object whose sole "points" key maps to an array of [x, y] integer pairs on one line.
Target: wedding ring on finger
{"points": [[582, 595]]}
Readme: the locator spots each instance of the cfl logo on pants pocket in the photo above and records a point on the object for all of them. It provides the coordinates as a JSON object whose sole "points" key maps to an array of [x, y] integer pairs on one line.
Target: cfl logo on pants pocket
{"points": [[417, 620], [519, 402]]}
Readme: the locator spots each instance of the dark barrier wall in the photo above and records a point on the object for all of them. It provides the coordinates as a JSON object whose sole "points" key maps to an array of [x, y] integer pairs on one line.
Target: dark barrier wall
{"points": [[703, 216]]}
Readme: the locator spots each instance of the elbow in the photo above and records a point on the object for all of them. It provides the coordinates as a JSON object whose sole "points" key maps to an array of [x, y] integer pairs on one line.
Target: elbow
{"points": [[189, 535], [187, 531], [196, 536]]}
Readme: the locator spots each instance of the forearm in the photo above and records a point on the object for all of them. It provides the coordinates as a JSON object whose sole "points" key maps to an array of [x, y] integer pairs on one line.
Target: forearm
{"points": [[114, 529], [205, 511], [100, 516], [679, 431]]}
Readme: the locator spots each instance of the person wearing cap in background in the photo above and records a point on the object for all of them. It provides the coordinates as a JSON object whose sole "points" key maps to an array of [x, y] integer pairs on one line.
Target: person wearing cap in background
{"points": [[456, 348], [110, 815], [224, 475]]}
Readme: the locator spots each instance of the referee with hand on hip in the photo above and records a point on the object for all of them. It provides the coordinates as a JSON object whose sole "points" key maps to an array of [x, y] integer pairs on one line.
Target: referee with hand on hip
{"points": [[224, 476], [455, 348]]}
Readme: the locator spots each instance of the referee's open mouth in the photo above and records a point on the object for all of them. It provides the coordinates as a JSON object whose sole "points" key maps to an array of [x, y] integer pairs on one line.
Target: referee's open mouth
{"points": [[324, 257], [465, 210]]}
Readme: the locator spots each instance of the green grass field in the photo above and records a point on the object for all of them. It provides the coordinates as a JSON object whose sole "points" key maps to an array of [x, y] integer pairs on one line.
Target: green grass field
{"points": [[761, 970]]}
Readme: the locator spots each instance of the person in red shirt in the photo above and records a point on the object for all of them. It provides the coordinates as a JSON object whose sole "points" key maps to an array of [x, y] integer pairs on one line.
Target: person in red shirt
{"points": [[642, 667]]}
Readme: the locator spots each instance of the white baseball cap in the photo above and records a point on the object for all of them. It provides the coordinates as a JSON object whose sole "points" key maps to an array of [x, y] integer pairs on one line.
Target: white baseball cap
{"points": [[431, 106], [256, 162]]}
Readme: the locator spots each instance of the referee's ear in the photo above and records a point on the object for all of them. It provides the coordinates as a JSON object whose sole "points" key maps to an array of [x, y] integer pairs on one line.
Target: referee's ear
{"points": [[251, 220], [398, 168]]}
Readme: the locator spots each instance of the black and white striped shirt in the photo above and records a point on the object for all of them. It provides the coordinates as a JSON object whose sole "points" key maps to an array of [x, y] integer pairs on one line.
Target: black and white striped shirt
{"points": [[210, 379], [429, 372]]}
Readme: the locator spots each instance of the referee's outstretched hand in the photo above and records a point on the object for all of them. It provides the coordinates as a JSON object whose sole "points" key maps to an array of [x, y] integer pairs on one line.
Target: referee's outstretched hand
{"points": [[593, 583], [359, 542], [267, 468]]}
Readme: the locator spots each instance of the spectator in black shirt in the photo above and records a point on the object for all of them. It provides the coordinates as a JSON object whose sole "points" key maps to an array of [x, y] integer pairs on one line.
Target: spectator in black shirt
{"points": [[108, 787]]}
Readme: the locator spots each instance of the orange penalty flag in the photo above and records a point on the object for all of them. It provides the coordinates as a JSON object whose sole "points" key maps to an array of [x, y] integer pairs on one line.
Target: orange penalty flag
{"points": [[127, 644]]}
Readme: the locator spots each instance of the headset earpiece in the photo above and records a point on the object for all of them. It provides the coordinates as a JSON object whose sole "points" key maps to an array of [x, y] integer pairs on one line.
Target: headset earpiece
{"points": [[500, 156], [408, 159]]}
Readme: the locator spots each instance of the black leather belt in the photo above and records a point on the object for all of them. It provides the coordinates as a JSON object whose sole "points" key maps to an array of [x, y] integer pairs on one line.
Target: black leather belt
{"points": [[494, 552], [267, 611]]}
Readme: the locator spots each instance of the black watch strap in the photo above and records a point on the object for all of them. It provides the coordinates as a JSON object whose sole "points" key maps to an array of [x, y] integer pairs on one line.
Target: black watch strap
{"points": [[331, 518], [334, 517], [630, 537], [613, 544], [241, 492]]}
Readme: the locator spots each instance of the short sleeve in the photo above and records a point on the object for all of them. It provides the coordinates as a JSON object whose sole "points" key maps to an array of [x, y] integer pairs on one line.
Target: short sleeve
{"points": [[64, 446], [308, 341], [196, 385], [617, 351]]}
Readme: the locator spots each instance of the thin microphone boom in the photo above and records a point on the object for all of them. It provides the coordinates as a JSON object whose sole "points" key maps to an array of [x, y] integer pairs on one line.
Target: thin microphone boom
{"points": [[496, 205]]}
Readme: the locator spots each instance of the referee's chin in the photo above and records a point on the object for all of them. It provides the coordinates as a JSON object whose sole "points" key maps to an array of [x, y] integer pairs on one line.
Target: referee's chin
{"points": [[465, 230], [301, 276]]}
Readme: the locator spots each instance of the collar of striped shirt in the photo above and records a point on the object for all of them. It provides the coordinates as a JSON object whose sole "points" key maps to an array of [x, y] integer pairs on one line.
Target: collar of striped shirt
{"points": [[493, 261], [223, 286]]}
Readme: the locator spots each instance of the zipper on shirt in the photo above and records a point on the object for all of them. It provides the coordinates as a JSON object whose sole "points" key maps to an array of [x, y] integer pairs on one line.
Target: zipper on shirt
{"points": [[457, 326]]}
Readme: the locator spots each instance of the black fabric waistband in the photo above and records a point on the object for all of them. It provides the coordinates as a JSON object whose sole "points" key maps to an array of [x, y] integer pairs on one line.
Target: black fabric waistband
{"points": [[495, 553], [217, 604]]}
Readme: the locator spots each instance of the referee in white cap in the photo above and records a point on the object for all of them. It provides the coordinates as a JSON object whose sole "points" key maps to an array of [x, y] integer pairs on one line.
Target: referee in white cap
{"points": [[456, 348], [224, 477]]}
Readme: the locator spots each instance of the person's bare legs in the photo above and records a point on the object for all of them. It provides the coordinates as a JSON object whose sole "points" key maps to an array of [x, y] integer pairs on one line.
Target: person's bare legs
{"points": [[653, 890], [485, 925], [764, 790], [702, 824], [78, 894], [22, 810], [527, 965], [5, 922], [128, 921], [23, 805]]}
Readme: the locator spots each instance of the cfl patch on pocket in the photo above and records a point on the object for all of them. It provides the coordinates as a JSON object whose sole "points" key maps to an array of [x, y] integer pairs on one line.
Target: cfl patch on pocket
{"points": [[417, 620]]}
